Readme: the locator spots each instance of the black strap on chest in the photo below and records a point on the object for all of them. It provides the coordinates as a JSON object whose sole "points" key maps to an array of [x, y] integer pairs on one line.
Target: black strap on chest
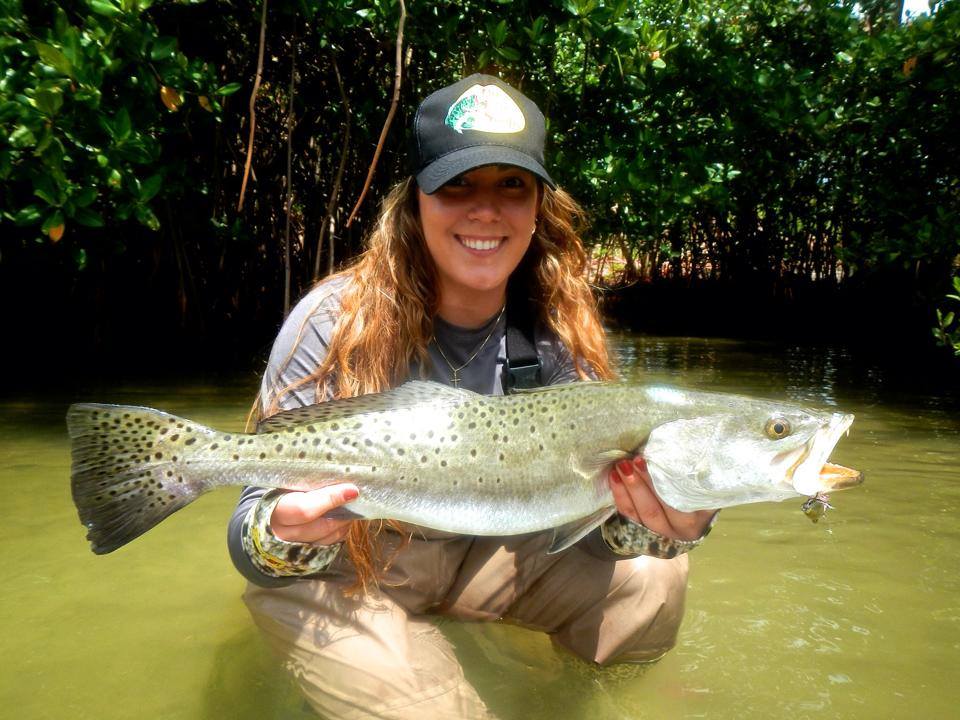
{"points": [[523, 366]]}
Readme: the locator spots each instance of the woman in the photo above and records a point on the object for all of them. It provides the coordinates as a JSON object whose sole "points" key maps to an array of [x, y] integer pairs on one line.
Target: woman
{"points": [[429, 300]]}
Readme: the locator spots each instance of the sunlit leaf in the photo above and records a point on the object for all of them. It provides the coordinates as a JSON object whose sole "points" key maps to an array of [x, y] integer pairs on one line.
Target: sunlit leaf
{"points": [[228, 89]]}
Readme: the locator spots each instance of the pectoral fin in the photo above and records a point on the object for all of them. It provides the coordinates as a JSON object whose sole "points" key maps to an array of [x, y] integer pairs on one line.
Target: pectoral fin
{"points": [[566, 535], [342, 512], [594, 466]]}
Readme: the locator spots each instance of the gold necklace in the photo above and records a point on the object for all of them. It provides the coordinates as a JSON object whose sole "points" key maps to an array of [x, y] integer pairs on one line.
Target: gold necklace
{"points": [[455, 376]]}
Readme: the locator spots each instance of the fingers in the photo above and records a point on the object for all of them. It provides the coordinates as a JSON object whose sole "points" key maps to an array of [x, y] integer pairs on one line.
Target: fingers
{"points": [[299, 516], [635, 498]]}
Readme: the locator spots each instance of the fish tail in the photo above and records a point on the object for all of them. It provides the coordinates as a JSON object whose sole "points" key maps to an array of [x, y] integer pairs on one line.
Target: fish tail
{"points": [[128, 470]]}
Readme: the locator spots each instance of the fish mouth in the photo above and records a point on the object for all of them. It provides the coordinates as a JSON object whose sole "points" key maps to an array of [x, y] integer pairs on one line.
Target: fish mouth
{"points": [[838, 477], [814, 474]]}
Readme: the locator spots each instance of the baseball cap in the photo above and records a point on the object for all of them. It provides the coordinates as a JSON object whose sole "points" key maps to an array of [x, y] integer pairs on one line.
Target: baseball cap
{"points": [[477, 121]]}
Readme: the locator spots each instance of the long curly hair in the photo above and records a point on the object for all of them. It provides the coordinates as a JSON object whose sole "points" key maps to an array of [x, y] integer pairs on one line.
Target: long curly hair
{"points": [[391, 299]]}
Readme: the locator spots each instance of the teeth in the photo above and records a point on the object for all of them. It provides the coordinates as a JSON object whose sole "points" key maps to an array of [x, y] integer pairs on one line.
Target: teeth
{"points": [[480, 244]]}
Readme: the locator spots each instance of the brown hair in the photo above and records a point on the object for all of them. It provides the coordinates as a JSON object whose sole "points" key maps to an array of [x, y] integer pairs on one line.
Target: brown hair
{"points": [[388, 306]]}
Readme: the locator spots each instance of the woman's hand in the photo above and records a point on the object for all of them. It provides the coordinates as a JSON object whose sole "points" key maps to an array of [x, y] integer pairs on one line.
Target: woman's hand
{"points": [[298, 516], [636, 499]]}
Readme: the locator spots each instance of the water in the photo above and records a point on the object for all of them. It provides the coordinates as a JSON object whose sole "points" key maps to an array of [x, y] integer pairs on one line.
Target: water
{"points": [[858, 616]]}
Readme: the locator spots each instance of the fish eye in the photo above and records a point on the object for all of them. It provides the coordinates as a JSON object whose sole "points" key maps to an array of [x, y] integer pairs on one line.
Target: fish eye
{"points": [[777, 428]]}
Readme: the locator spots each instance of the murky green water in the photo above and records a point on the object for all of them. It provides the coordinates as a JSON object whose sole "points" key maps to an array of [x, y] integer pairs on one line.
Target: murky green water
{"points": [[857, 617]]}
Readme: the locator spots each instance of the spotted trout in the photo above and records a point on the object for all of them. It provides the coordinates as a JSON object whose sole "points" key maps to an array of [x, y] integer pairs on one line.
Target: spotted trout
{"points": [[453, 460]]}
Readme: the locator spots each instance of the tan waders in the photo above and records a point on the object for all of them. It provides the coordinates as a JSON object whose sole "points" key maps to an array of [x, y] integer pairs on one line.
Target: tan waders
{"points": [[381, 655]]}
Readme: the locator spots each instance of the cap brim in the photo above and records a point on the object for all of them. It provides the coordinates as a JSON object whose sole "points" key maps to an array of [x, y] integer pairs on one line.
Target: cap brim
{"points": [[446, 168]]}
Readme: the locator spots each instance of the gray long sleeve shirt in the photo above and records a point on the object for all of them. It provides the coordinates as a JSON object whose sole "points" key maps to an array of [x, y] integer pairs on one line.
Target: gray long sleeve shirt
{"points": [[302, 345]]}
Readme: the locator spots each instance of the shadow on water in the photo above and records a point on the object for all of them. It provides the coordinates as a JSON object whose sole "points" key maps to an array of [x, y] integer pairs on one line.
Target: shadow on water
{"points": [[247, 683]]}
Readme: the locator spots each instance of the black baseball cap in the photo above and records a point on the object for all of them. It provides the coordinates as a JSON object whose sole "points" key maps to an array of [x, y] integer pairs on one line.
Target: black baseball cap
{"points": [[478, 121]]}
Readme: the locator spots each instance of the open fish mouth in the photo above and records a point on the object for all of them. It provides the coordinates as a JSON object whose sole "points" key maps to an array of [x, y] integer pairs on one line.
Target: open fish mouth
{"points": [[815, 474], [838, 477]]}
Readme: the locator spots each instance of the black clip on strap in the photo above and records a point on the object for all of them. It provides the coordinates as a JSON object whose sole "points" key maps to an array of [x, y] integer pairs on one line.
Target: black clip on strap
{"points": [[523, 363]]}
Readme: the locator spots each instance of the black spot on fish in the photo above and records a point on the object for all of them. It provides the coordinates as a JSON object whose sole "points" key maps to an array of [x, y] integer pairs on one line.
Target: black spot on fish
{"points": [[236, 457], [263, 455], [279, 447], [190, 441], [301, 455]]}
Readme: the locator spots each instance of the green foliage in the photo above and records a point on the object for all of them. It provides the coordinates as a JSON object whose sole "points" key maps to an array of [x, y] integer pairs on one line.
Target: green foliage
{"points": [[91, 93], [796, 143], [947, 331]]}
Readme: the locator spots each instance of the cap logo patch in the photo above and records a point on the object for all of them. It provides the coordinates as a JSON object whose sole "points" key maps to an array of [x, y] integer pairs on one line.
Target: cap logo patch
{"points": [[485, 108]]}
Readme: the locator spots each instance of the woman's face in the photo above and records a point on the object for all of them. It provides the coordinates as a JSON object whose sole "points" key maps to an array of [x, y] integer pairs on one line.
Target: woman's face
{"points": [[477, 228]]}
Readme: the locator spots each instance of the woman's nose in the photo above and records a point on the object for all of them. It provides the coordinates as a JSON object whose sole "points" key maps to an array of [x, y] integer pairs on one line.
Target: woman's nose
{"points": [[484, 206]]}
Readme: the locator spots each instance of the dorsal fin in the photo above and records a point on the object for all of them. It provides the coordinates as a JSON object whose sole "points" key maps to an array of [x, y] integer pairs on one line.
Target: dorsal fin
{"points": [[410, 394]]}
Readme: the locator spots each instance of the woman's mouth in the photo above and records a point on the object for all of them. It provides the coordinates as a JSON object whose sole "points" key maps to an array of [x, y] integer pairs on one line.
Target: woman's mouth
{"points": [[480, 243]]}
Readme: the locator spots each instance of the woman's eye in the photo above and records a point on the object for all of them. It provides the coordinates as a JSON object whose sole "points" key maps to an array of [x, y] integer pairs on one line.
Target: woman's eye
{"points": [[513, 182]]}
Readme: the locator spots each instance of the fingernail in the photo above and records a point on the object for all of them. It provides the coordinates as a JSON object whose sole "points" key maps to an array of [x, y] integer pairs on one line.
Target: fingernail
{"points": [[640, 463], [625, 467], [615, 477], [350, 494]]}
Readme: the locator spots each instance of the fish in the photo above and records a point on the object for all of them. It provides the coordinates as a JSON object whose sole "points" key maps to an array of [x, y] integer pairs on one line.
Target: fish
{"points": [[453, 460]]}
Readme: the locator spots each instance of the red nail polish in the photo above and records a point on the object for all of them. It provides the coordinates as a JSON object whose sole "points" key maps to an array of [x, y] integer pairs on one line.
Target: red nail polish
{"points": [[615, 477], [640, 463], [350, 494], [625, 467]]}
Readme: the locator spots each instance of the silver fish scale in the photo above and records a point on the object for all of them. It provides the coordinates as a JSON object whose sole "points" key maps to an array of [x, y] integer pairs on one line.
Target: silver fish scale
{"points": [[436, 464]]}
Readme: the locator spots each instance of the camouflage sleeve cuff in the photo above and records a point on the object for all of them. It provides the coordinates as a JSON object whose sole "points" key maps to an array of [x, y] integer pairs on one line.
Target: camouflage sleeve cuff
{"points": [[279, 558], [627, 537]]}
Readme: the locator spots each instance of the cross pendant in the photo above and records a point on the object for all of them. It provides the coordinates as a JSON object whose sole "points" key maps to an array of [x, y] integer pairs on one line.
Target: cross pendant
{"points": [[455, 378]]}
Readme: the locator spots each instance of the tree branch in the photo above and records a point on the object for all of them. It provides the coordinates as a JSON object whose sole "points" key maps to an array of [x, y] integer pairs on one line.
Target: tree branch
{"points": [[286, 232], [253, 104], [335, 191], [393, 109]]}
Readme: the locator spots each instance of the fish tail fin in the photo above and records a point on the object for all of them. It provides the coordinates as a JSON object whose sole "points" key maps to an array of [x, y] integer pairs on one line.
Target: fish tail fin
{"points": [[127, 471]]}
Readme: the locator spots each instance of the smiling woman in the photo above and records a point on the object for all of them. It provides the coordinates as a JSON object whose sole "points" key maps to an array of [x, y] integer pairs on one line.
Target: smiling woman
{"points": [[476, 247], [477, 227]]}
